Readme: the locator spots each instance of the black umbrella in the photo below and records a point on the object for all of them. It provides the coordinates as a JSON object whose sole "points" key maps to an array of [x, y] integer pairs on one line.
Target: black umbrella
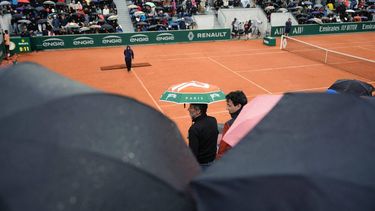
{"points": [[86, 151], [61, 4], [311, 152], [40, 9], [28, 7], [354, 87], [17, 16], [107, 27], [41, 21], [141, 23]]}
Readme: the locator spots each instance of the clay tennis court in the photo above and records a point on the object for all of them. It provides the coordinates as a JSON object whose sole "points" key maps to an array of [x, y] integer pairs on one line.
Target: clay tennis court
{"points": [[232, 65]]}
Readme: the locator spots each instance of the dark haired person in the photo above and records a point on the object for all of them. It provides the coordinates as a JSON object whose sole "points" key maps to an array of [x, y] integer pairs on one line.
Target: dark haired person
{"points": [[129, 56], [203, 135], [236, 100], [288, 27], [7, 44]]}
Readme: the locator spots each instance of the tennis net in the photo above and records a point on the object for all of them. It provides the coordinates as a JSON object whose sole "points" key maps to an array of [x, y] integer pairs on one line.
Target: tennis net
{"points": [[353, 64]]}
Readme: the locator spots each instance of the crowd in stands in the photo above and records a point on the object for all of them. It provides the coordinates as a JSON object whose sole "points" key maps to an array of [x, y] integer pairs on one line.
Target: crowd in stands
{"points": [[318, 12], [249, 29], [159, 15], [50, 18]]}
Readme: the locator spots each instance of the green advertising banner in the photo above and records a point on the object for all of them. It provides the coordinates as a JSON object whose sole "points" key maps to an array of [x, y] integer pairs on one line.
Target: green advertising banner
{"points": [[329, 28], [19, 45], [118, 39]]}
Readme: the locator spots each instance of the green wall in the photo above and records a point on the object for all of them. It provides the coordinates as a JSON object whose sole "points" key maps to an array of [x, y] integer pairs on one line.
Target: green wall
{"points": [[118, 39], [329, 28]]}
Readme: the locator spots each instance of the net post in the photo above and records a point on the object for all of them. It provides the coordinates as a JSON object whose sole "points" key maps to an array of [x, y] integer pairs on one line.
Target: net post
{"points": [[281, 41], [326, 57]]}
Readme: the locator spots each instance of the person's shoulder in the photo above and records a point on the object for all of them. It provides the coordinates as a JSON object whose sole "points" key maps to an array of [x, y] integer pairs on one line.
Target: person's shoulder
{"points": [[211, 118]]}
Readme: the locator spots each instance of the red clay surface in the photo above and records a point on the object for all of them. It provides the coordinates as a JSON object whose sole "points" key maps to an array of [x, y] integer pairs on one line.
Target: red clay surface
{"points": [[231, 65]]}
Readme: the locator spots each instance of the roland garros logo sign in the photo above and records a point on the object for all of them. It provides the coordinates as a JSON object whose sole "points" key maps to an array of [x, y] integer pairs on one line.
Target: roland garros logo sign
{"points": [[182, 86]]}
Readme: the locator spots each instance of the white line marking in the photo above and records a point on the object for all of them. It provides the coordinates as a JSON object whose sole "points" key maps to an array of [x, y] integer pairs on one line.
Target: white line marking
{"points": [[149, 94], [279, 68], [255, 84]]}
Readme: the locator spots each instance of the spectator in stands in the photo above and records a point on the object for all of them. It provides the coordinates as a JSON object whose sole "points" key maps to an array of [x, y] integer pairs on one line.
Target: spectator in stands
{"points": [[234, 28], [247, 27], [105, 10], [288, 27], [236, 100], [357, 18], [119, 28], [25, 32], [7, 44], [182, 24], [129, 56], [202, 135]]}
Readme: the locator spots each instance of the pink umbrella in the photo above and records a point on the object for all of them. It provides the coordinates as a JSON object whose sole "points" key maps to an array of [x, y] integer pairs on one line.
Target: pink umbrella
{"points": [[251, 114]]}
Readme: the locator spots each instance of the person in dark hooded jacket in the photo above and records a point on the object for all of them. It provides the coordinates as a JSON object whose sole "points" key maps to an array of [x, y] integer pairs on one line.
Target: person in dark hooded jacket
{"points": [[129, 56]]}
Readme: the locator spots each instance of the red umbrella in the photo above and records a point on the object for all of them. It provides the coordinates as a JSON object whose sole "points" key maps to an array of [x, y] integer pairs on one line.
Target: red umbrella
{"points": [[24, 1]]}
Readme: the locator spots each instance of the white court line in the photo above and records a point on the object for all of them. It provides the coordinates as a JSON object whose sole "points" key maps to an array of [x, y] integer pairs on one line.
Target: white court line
{"points": [[149, 94], [368, 49], [303, 90], [279, 68], [232, 54], [255, 84]]}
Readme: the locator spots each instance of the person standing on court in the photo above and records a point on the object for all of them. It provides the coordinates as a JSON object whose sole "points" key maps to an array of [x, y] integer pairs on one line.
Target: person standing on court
{"points": [[7, 44], [129, 56], [236, 100], [288, 27], [202, 135]]}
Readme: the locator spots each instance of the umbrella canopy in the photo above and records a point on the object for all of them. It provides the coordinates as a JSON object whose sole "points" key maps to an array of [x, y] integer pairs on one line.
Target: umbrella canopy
{"points": [[17, 16], [251, 114], [318, 5], [86, 150], [28, 7], [311, 152], [49, 3], [316, 20], [61, 4], [132, 6], [23, 1], [139, 13], [282, 10], [269, 8], [3, 3], [83, 29], [95, 26], [112, 18], [40, 8], [307, 3], [72, 25], [353, 87], [41, 21], [193, 92], [151, 4], [106, 27], [24, 21], [141, 23]]}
